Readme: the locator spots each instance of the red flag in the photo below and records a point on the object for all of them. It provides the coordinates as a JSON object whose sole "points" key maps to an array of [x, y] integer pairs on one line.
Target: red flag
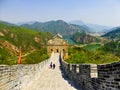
{"points": [[20, 58]]}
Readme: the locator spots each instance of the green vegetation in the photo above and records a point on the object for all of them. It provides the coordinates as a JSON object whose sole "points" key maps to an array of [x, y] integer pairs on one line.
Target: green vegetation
{"points": [[36, 57], [7, 57], [112, 47], [92, 47], [113, 34], [95, 53], [83, 38], [13, 37], [23, 37], [79, 56], [33, 44]]}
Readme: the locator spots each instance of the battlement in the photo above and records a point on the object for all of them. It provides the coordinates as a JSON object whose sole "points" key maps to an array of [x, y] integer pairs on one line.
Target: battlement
{"points": [[94, 77], [16, 77], [87, 76]]}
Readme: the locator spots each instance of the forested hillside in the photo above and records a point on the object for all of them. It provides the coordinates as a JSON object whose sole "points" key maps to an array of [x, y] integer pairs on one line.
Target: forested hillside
{"points": [[79, 55], [112, 47], [83, 38], [12, 38], [113, 34]]}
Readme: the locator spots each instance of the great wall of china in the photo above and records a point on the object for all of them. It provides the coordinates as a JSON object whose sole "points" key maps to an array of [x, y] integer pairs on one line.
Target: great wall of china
{"points": [[16, 77], [93, 77], [87, 76]]}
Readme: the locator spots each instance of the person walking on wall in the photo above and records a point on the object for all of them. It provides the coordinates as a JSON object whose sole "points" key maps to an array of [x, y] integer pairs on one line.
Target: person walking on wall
{"points": [[53, 66]]}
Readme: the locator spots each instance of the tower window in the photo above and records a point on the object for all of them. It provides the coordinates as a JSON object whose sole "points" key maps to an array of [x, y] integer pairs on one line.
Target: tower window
{"points": [[57, 50], [51, 49]]}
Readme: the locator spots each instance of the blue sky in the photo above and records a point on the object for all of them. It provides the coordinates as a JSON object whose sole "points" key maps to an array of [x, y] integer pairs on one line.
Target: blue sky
{"points": [[103, 12]]}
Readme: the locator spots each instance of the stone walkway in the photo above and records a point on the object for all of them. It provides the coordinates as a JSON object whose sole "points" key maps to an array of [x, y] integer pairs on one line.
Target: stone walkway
{"points": [[50, 79]]}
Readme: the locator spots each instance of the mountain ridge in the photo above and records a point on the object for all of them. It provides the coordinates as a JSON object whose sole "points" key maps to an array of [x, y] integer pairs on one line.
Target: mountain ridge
{"points": [[114, 33], [58, 26], [92, 27]]}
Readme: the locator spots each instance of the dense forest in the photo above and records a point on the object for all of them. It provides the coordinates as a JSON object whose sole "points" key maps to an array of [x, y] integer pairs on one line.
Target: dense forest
{"points": [[108, 53]]}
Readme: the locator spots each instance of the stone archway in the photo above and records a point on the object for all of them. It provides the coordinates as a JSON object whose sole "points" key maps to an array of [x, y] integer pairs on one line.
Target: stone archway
{"points": [[51, 50], [57, 50]]}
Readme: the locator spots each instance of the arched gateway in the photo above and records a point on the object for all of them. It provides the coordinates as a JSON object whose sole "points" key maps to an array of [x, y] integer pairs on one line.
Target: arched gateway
{"points": [[57, 45]]}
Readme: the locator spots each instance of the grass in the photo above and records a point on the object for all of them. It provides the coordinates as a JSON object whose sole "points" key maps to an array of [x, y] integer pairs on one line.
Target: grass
{"points": [[92, 47], [36, 57]]}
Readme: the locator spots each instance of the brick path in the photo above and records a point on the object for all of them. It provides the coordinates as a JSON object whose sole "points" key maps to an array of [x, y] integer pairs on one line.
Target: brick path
{"points": [[50, 79]]}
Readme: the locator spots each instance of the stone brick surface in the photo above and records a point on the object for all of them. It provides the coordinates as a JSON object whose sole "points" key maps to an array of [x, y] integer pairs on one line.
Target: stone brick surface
{"points": [[51, 79], [18, 76], [94, 77], [40, 77], [35, 77]]}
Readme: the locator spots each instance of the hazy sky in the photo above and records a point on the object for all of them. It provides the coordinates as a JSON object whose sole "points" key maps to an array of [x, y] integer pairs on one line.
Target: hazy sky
{"points": [[103, 12]]}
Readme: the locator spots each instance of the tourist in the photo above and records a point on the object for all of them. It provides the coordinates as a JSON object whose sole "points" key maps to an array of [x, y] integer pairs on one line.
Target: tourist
{"points": [[53, 66]]}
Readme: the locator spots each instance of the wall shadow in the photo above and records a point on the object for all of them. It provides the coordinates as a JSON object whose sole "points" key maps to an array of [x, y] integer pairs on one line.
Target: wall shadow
{"points": [[72, 83]]}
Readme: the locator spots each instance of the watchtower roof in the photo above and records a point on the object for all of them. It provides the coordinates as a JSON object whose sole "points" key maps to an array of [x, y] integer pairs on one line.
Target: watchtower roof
{"points": [[58, 35], [57, 40]]}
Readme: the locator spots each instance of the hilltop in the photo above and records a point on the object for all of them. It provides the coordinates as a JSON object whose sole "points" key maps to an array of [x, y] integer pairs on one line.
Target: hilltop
{"points": [[58, 26]]}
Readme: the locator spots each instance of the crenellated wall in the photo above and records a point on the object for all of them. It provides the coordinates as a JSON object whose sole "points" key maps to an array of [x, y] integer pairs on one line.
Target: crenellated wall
{"points": [[109, 76], [87, 76], [15, 77], [94, 77]]}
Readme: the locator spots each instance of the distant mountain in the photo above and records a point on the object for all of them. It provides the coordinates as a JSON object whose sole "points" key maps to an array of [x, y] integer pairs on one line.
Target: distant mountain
{"points": [[84, 38], [30, 22], [92, 27], [77, 22], [6, 23], [67, 30], [58, 26], [113, 34], [98, 28]]}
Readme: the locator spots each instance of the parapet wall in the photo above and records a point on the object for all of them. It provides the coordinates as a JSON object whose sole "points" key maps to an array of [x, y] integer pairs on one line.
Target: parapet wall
{"points": [[109, 76], [94, 77], [16, 77]]}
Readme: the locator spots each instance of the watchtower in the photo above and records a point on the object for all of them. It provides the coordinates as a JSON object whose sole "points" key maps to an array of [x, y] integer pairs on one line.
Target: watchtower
{"points": [[57, 45]]}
